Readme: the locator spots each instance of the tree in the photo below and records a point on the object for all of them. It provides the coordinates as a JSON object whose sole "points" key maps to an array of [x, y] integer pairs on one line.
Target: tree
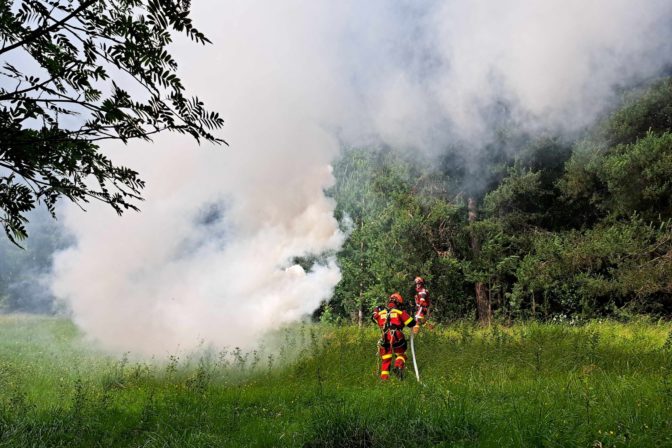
{"points": [[24, 272], [400, 225], [62, 68], [483, 302], [643, 112]]}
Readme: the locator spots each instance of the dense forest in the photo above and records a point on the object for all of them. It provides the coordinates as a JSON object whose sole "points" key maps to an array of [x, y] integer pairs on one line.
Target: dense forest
{"points": [[529, 226]]}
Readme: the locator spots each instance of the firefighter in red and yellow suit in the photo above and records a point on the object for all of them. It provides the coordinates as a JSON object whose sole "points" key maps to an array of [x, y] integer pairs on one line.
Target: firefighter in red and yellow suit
{"points": [[422, 302], [391, 321]]}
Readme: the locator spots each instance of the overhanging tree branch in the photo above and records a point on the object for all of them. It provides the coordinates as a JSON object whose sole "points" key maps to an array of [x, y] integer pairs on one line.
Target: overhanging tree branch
{"points": [[132, 39], [45, 30]]}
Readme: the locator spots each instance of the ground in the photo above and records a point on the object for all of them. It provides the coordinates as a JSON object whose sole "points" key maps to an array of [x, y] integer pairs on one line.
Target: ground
{"points": [[597, 384]]}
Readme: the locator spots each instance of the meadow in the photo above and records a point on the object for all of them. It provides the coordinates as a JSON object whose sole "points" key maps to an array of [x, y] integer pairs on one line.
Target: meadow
{"points": [[598, 384]]}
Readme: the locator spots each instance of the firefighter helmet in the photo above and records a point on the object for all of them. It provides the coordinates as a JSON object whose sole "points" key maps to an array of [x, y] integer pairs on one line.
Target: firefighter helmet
{"points": [[419, 280], [396, 298]]}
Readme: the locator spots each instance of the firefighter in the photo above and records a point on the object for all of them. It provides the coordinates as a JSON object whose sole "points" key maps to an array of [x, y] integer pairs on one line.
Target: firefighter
{"points": [[391, 321], [422, 303]]}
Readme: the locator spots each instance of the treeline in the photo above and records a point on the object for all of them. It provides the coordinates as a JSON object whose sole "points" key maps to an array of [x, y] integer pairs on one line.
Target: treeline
{"points": [[529, 227], [24, 271]]}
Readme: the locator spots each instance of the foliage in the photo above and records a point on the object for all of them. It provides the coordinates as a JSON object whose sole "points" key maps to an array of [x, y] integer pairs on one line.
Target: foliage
{"points": [[517, 199], [642, 112], [75, 73], [395, 234], [602, 269], [575, 229], [639, 177], [24, 271], [623, 179], [597, 384]]}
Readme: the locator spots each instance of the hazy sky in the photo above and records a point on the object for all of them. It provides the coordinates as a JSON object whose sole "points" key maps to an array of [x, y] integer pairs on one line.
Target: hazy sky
{"points": [[209, 257]]}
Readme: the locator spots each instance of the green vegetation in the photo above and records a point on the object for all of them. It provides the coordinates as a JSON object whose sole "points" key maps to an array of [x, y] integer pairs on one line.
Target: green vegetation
{"points": [[105, 65], [598, 384], [564, 248], [23, 271], [525, 227]]}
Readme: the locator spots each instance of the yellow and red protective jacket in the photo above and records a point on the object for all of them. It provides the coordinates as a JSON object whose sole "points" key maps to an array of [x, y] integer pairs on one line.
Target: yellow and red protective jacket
{"points": [[422, 302], [392, 321]]}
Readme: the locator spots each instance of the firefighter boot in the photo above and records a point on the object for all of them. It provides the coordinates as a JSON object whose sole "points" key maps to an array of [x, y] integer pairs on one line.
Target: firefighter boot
{"points": [[399, 365]]}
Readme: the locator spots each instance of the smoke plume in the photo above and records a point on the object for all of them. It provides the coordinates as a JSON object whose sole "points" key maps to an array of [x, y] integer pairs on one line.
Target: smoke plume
{"points": [[210, 256]]}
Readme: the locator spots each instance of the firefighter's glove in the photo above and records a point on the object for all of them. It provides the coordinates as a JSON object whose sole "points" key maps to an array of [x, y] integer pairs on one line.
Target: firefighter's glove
{"points": [[416, 329]]}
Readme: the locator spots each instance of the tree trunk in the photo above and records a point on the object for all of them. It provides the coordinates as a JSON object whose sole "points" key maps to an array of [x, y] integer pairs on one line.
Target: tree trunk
{"points": [[534, 307], [360, 313], [483, 305]]}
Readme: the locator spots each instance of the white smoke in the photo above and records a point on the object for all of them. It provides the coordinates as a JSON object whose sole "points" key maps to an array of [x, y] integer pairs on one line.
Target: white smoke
{"points": [[209, 257]]}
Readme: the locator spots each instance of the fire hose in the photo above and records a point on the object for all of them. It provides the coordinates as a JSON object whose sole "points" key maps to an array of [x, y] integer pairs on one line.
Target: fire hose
{"points": [[415, 363]]}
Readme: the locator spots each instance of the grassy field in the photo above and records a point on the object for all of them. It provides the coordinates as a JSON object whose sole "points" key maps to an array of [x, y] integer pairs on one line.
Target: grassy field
{"points": [[595, 385]]}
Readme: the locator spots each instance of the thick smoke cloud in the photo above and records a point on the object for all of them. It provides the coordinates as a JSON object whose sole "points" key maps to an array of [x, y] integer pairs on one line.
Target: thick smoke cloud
{"points": [[209, 257], [432, 71]]}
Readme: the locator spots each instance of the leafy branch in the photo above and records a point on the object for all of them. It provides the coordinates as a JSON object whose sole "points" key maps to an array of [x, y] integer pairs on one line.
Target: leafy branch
{"points": [[81, 47]]}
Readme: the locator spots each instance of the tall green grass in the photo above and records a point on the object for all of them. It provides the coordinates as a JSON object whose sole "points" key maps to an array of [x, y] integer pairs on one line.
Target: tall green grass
{"points": [[600, 384]]}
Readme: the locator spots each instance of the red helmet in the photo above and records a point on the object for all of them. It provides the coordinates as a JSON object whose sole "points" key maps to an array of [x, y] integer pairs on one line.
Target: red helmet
{"points": [[419, 280], [396, 298]]}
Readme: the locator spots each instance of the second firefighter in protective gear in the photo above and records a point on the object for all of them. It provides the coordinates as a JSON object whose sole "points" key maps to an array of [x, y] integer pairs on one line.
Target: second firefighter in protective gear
{"points": [[391, 320], [422, 302]]}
